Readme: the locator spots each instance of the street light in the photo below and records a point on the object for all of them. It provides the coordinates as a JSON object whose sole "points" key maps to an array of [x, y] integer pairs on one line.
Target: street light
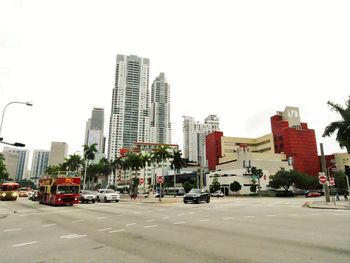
{"points": [[12, 102]]}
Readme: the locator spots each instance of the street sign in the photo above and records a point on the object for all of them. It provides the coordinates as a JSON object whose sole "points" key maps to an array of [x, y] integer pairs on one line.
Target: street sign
{"points": [[141, 181], [331, 181], [322, 178], [160, 179]]}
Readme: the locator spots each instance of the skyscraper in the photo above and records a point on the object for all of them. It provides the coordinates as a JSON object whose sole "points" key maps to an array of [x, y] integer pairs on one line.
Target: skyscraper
{"points": [[129, 121], [58, 152], [16, 162], [94, 132], [160, 126], [194, 137], [39, 164]]}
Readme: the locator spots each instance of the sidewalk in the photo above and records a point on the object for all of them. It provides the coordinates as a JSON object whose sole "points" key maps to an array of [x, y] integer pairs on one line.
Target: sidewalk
{"points": [[151, 200], [339, 205]]}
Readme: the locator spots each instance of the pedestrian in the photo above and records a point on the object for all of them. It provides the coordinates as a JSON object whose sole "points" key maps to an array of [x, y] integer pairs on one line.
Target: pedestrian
{"points": [[345, 196], [337, 195]]}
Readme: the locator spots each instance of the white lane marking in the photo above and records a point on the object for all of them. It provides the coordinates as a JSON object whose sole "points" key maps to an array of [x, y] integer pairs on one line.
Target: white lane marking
{"points": [[117, 230], [72, 236], [270, 215], [249, 216], [101, 217], [227, 218], [131, 224], [48, 225], [151, 220], [104, 229], [77, 221], [292, 215], [180, 214], [204, 220], [13, 229], [25, 244], [314, 214], [150, 226], [191, 213], [48, 212], [179, 223], [135, 213], [165, 217]]}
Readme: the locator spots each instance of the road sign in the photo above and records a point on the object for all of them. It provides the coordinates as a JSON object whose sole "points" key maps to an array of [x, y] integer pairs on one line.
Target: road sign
{"points": [[141, 181], [331, 181], [322, 178], [160, 179]]}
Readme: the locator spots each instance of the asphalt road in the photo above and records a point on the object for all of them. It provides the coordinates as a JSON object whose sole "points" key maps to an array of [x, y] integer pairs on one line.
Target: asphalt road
{"points": [[226, 230]]}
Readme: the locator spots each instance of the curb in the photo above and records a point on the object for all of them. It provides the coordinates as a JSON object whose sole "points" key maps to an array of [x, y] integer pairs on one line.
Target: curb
{"points": [[309, 204]]}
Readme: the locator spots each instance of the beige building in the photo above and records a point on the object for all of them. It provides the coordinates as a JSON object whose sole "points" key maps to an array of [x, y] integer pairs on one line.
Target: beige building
{"points": [[58, 152], [340, 160], [240, 154]]}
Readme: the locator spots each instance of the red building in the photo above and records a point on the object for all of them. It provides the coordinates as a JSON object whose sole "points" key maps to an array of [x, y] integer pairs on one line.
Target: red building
{"points": [[213, 148], [296, 140]]}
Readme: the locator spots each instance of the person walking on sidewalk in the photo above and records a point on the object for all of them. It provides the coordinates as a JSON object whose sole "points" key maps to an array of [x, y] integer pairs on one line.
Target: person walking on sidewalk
{"points": [[345, 196], [337, 195]]}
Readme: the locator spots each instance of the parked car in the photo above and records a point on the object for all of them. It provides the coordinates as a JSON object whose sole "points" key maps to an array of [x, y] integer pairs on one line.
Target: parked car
{"points": [[196, 196], [87, 196], [217, 194], [313, 194], [107, 195]]}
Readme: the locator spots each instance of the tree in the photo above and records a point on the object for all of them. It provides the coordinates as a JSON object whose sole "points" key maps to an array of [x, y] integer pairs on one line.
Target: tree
{"points": [[187, 186], [89, 154], [146, 159], [135, 164], [4, 175], [73, 162], [161, 154], [342, 126], [215, 185], [258, 173], [177, 163], [235, 187], [282, 179]]}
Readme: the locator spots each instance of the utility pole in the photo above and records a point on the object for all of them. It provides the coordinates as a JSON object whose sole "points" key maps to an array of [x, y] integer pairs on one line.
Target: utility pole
{"points": [[324, 169]]}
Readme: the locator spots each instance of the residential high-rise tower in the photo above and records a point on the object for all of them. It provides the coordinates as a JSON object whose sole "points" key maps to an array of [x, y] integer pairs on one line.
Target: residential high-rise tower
{"points": [[160, 126], [129, 121], [94, 132]]}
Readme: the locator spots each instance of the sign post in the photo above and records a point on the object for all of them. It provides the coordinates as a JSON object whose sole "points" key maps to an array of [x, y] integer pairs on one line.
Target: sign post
{"points": [[160, 181]]}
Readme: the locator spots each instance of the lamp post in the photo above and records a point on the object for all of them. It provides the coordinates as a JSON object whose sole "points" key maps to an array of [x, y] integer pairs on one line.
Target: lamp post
{"points": [[12, 102]]}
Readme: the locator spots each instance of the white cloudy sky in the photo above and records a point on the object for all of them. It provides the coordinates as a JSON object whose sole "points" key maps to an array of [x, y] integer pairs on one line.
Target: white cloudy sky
{"points": [[241, 60]]}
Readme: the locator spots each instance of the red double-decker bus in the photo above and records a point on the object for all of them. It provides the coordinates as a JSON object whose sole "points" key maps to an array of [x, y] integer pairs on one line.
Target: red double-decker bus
{"points": [[59, 190], [9, 191]]}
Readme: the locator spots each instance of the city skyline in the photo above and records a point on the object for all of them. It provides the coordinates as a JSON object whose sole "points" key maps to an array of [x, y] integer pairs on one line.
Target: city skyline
{"points": [[238, 61]]}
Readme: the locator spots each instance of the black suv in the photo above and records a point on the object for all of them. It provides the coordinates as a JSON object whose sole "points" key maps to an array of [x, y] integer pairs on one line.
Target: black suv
{"points": [[196, 196]]}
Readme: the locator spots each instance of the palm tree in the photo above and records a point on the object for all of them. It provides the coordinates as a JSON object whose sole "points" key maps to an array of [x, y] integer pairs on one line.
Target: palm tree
{"points": [[177, 163], [73, 162], [161, 154], [124, 165], [89, 154], [343, 126], [135, 164], [146, 159], [116, 164]]}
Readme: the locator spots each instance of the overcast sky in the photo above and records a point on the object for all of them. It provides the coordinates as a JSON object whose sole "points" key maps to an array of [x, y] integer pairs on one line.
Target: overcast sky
{"points": [[241, 60]]}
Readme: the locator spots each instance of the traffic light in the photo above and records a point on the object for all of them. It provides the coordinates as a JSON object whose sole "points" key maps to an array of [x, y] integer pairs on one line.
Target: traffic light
{"points": [[18, 144]]}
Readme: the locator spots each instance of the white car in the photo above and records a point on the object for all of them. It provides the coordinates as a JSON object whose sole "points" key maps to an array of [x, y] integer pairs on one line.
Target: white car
{"points": [[106, 195]]}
